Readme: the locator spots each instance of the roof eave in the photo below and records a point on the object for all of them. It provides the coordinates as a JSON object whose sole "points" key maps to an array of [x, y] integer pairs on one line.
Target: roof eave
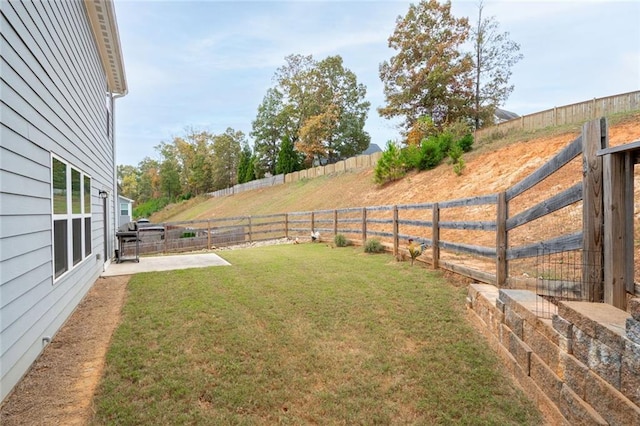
{"points": [[102, 17]]}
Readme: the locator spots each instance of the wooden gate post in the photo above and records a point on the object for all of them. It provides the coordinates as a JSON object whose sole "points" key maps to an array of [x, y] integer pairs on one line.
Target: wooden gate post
{"points": [[502, 264], [594, 137]]}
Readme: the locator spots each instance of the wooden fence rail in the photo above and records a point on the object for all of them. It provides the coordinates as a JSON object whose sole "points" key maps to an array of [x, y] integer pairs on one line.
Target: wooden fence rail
{"points": [[395, 225]]}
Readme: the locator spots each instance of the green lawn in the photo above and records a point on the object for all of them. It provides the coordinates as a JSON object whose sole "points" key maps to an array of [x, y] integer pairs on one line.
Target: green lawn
{"points": [[302, 334]]}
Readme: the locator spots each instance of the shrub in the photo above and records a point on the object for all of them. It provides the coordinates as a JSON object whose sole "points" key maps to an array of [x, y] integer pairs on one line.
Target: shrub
{"points": [[340, 240], [459, 166], [411, 156], [188, 234], [465, 142], [455, 154], [149, 207], [431, 153], [389, 167], [373, 246], [445, 142]]}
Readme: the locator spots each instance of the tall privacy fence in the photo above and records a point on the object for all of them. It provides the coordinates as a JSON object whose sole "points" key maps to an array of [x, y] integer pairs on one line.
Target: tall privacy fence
{"points": [[504, 239], [568, 114], [352, 163]]}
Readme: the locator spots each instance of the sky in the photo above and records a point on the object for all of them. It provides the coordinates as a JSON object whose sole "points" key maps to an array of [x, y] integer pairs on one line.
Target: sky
{"points": [[206, 65]]}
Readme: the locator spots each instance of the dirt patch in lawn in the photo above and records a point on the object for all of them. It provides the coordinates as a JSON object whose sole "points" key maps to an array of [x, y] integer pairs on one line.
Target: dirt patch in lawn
{"points": [[59, 387]]}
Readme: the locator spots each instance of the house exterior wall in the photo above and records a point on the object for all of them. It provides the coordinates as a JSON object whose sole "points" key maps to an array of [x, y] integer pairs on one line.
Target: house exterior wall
{"points": [[53, 104], [124, 218]]}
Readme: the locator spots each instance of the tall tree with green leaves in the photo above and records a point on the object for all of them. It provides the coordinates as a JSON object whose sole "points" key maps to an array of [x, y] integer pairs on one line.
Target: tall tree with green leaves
{"points": [[170, 170], [494, 56], [321, 107], [429, 75], [288, 158], [245, 166], [271, 123], [226, 155]]}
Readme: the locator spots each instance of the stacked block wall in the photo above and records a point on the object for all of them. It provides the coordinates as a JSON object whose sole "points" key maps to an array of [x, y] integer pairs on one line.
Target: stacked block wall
{"points": [[582, 366]]}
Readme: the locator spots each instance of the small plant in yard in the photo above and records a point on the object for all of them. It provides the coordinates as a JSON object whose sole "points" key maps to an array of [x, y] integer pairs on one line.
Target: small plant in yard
{"points": [[373, 246], [340, 240], [415, 250]]}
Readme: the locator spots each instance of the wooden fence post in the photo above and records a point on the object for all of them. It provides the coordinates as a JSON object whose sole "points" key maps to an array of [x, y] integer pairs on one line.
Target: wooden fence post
{"points": [[286, 225], [614, 231], [166, 237], [208, 234], [502, 265], [395, 230], [250, 230], [335, 223], [593, 139], [435, 236], [364, 226], [313, 222]]}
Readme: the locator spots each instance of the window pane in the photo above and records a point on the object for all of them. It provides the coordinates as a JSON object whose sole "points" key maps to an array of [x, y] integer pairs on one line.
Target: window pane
{"points": [[60, 247], [75, 192], [77, 240], [59, 187], [124, 209], [87, 236], [87, 194]]}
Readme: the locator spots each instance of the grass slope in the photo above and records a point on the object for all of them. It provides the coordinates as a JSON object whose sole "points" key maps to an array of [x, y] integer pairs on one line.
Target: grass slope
{"points": [[294, 334]]}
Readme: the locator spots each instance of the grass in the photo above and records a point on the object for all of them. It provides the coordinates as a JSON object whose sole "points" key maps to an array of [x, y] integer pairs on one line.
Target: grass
{"points": [[302, 334]]}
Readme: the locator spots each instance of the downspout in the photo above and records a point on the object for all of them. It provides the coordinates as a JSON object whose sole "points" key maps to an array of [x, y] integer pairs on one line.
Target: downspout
{"points": [[114, 216]]}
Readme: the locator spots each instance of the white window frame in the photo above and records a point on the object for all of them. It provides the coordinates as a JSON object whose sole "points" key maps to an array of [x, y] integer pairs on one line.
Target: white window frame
{"points": [[128, 211], [69, 216]]}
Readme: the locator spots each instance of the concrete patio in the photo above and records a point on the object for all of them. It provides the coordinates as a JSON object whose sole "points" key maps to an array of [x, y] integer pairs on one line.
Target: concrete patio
{"points": [[165, 263]]}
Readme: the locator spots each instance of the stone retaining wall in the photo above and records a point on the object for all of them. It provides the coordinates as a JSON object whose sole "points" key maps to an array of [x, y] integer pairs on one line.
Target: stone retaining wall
{"points": [[582, 366]]}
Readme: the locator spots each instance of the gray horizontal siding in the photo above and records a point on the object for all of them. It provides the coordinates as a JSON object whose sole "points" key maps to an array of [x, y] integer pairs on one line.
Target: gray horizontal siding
{"points": [[53, 101], [11, 226]]}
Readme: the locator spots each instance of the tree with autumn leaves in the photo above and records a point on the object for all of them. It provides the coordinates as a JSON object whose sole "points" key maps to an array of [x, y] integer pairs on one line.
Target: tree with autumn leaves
{"points": [[317, 105], [432, 75]]}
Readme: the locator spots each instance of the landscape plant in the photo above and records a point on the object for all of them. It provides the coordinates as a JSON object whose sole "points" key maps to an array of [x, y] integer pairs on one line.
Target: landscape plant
{"points": [[340, 240], [373, 245], [390, 166]]}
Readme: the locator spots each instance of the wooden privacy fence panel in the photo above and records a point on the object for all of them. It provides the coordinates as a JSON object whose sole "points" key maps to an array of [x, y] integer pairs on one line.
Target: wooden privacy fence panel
{"points": [[568, 114]]}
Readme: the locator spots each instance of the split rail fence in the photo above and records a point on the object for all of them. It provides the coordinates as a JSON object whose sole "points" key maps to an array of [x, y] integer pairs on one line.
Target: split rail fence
{"points": [[501, 253]]}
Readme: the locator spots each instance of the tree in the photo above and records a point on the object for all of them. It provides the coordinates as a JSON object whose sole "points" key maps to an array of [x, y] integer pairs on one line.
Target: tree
{"points": [[128, 177], [270, 125], [494, 56], [149, 182], [319, 107], [343, 110], [288, 158], [169, 171], [194, 153], [226, 155], [429, 75], [245, 165]]}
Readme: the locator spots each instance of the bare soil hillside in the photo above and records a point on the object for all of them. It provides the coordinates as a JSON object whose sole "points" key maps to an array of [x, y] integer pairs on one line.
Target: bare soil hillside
{"points": [[489, 170]]}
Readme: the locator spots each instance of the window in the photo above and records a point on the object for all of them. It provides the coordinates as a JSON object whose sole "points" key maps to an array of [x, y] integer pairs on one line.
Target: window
{"points": [[124, 209], [71, 206]]}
